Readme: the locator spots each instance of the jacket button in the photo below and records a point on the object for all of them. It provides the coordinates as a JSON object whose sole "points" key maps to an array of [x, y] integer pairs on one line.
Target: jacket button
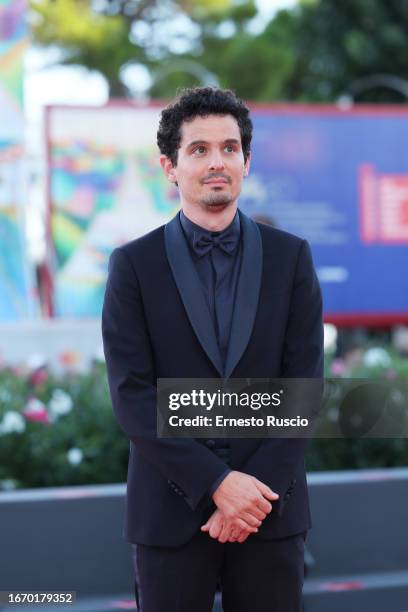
{"points": [[210, 443]]}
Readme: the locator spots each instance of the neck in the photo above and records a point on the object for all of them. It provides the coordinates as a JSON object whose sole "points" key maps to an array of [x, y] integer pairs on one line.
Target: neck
{"points": [[213, 221]]}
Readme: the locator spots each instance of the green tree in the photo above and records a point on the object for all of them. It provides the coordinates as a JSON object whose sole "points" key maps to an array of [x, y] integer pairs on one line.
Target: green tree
{"points": [[311, 53], [86, 38], [338, 43], [107, 36], [258, 67]]}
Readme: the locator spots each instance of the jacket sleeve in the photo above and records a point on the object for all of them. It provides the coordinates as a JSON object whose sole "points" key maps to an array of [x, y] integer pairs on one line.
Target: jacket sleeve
{"points": [[190, 466], [276, 459]]}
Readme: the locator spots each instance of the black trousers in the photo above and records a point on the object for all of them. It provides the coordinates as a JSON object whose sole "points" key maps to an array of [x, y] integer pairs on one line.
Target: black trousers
{"points": [[256, 576]]}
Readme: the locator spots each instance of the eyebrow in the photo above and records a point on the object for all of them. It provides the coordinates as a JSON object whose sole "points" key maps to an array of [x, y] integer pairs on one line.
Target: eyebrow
{"points": [[226, 141]]}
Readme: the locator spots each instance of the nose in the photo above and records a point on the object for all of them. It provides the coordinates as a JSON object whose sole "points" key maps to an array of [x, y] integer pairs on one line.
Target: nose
{"points": [[216, 162]]}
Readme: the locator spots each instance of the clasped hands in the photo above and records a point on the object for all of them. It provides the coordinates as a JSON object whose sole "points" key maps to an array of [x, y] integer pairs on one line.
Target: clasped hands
{"points": [[242, 503]]}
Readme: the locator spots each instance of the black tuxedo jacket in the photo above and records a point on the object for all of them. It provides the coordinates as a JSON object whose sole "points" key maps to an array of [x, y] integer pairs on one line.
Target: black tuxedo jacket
{"points": [[156, 324]]}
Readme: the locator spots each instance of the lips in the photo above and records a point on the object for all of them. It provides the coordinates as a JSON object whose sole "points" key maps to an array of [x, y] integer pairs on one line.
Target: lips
{"points": [[216, 179], [216, 182]]}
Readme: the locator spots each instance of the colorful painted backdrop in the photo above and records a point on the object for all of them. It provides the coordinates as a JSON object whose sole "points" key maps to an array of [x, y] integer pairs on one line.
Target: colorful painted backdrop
{"points": [[15, 291], [338, 179], [106, 187]]}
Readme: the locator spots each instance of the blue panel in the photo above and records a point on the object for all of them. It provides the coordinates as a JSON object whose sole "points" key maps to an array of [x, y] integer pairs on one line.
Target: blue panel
{"points": [[340, 180]]}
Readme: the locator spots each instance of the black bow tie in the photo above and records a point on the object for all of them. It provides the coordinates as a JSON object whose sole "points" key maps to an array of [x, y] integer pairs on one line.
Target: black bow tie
{"points": [[204, 242]]}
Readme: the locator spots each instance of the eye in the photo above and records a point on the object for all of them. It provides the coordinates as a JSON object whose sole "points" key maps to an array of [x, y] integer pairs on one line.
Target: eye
{"points": [[199, 150], [229, 148]]}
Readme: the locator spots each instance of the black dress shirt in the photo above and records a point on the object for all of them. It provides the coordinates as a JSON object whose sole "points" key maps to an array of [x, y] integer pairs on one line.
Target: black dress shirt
{"points": [[218, 272]]}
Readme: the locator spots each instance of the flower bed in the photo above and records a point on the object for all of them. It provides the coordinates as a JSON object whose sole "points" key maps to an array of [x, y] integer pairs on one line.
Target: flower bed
{"points": [[59, 429]]}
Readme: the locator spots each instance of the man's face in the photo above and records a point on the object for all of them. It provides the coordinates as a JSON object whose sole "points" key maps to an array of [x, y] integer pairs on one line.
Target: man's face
{"points": [[210, 164]]}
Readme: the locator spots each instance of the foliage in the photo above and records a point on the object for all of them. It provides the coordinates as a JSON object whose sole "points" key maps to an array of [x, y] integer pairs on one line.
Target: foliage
{"points": [[338, 43], [109, 36], [258, 68], [374, 363], [60, 429], [87, 38], [312, 52]]}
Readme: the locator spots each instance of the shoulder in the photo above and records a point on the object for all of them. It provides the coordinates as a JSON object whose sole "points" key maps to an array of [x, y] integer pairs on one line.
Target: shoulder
{"points": [[143, 246], [277, 238], [290, 250], [144, 243], [140, 251]]}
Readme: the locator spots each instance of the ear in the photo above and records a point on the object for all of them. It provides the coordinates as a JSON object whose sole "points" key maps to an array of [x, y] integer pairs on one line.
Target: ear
{"points": [[168, 168], [247, 165]]}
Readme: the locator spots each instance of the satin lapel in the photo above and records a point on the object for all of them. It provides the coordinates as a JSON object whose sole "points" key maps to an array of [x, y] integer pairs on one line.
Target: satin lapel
{"points": [[188, 285], [246, 300]]}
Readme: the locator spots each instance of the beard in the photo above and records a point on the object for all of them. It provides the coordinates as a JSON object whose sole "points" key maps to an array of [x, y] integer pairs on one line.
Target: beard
{"points": [[216, 200]]}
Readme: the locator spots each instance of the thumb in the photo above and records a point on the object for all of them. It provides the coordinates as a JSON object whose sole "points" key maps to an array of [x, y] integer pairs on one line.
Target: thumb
{"points": [[205, 527], [266, 491]]}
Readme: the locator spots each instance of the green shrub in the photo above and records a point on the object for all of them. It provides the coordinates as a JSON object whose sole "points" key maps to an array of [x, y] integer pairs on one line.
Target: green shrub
{"points": [[61, 430], [58, 430]]}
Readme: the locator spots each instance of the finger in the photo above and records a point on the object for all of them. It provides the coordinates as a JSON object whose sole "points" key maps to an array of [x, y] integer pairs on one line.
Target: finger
{"points": [[205, 527], [265, 490], [251, 518], [214, 532], [242, 537], [215, 528], [264, 505], [238, 523], [258, 513], [234, 535], [225, 533]]}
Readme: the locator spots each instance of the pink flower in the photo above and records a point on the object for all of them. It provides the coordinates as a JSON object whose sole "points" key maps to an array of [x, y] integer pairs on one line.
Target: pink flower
{"points": [[338, 367], [39, 377], [36, 411]]}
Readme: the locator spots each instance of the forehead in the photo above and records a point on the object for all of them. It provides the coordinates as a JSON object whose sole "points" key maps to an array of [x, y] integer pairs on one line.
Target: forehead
{"points": [[214, 128]]}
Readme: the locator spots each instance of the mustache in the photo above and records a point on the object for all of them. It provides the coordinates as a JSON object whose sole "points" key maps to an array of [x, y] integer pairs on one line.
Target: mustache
{"points": [[215, 175]]}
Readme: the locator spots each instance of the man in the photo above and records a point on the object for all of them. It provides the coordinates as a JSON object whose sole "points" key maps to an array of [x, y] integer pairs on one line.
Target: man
{"points": [[211, 294]]}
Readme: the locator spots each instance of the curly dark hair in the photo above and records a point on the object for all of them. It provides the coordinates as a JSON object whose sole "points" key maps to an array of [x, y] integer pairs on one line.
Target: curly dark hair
{"points": [[201, 102]]}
